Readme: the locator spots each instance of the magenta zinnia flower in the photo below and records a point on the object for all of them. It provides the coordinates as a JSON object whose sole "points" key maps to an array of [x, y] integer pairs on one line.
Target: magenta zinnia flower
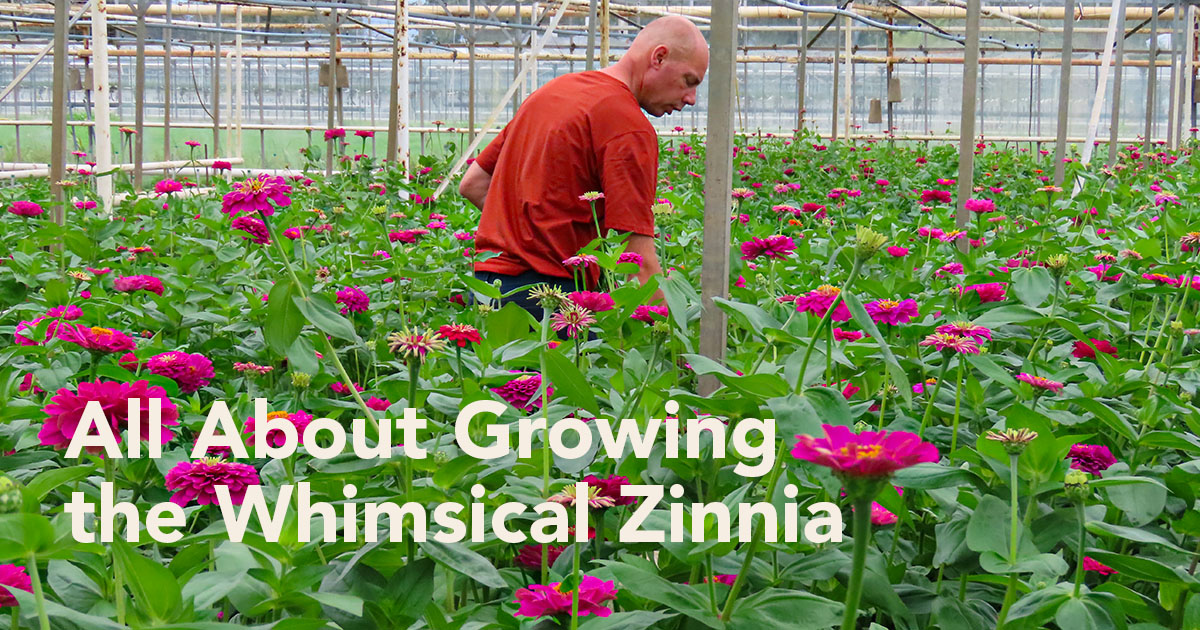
{"points": [[254, 227], [255, 195], [931, 196], [190, 371], [353, 299], [167, 186], [978, 334], [881, 515], [66, 408], [990, 292], [541, 600], [530, 556], [130, 284], [1085, 350], [953, 343], [820, 299], [1092, 565], [25, 209], [1040, 382], [198, 481], [892, 312], [846, 335], [611, 487], [1092, 459], [13, 576], [980, 205], [275, 437], [96, 338], [646, 313], [378, 404], [521, 391], [630, 257], [461, 334], [871, 454], [582, 261], [595, 301], [774, 246], [330, 134]]}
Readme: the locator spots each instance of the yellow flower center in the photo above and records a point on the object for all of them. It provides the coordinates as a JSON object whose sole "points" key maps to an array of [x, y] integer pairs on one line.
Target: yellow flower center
{"points": [[277, 414], [888, 304], [97, 330], [828, 289], [862, 451]]}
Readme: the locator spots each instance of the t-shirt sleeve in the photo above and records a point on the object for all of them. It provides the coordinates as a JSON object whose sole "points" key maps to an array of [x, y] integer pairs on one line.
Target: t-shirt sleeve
{"points": [[630, 173], [488, 158]]}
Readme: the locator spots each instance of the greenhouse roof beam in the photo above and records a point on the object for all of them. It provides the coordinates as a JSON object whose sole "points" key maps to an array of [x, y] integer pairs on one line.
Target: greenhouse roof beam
{"points": [[997, 13], [41, 55]]}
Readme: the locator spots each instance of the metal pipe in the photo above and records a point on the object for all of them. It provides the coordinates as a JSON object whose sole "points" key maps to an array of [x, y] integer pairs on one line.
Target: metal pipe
{"points": [[1151, 81], [1064, 94], [139, 97], [58, 133], [1115, 120], [966, 136]]}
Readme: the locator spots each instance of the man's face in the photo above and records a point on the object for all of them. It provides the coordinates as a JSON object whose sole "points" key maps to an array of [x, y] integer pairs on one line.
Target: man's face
{"points": [[670, 82]]}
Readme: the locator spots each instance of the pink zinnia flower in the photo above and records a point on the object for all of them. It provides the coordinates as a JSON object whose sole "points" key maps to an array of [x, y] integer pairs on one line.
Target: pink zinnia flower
{"points": [[353, 299], [1101, 272], [131, 284], [896, 251], [722, 578], [820, 299], [930, 196], [66, 407], [892, 312], [222, 165], [595, 301], [461, 334], [581, 261], [521, 392], [882, 516], [872, 454], [530, 556], [990, 292], [87, 204], [541, 600], [610, 487], [96, 338], [1040, 382], [256, 195], [574, 319], [1091, 565], [190, 371], [330, 134], [363, 133], [646, 313], [1085, 350], [978, 334], [340, 388], [980, 206], [630, 257], [774, 246], [25, 209], [953, 343], [167, 186], [846, 335], [275, 437], [198, 481], [1092, 459], [13, 576], [951, 269], [378, 404], [254, 227]]}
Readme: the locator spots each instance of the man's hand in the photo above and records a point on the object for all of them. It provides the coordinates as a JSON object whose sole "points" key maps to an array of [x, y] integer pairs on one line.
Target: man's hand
{"points": [[474, 185], [644, 246]]}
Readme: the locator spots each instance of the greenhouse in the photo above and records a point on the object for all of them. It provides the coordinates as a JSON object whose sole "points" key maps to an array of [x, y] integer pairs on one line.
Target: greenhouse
{"points": [[577, 314]]}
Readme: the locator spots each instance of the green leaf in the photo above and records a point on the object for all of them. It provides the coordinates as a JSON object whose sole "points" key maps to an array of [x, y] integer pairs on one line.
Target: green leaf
{"points": [[284, 319], [340, 601], [479, 286], [1141, 502], [749, 314], [1140, 568], [302, 357], [1133, 534], [209, 587], [899, 378], [638, 620], [674, 596], [1032, 285], [568, 380], [1168, 439], [988, 529], [1105, 414], [460, 558], [1082, 614], [22, 534], [930, 476], [985, 364], [155, 590], [780, 608], [1004, 315], [49, 480], [27, 606], [319, 312]]}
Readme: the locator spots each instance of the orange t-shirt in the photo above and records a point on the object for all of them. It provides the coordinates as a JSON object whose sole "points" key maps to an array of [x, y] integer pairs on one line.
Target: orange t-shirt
{"points": [[578, 133]]}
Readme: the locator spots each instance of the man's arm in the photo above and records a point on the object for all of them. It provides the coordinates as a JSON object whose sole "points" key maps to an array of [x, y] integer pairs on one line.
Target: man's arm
{"points": [[644, 246], [474, 185]]}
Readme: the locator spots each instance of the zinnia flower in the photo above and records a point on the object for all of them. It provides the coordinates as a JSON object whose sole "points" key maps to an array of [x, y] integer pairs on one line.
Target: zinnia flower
{"points": [[378, 404], [341, 389], [167, 186], [931, 196], [541, 600], [896, 251], [611, 487], [1091, 565], [96, 338], [190, 371], [870, 454], [330, 134], [198, 481], [595, 301], [980, 206], [530, 556], [66, 408], [13, 576], [574, 319], [882, 516], [25, 208], [256, 195], [646, 313], [595, 497], [820, 299], [846, 335], [892, 312], [521, 392], [131, 284], [414, 344], [254, 227], [630, 257], [581, 261], [990, 292], [774, 246], [1040, 382], [276, 437], [978, 334], [953, 343], [461, 334], [353, 299], [1092, 459], [1085, 350]]}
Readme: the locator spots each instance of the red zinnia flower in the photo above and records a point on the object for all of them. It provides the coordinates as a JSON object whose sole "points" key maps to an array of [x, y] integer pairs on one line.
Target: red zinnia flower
{"points": [[646, 313], [1085, 350], [820, 299], [461, 334], [256, 195], [199, 480], [1040, 382], [530, 556], [66, 408], [190, 371], [1091, 565], [13, 576], [774, 246], [541, 600], [521, 392], [595, 301], [1092, 459]]}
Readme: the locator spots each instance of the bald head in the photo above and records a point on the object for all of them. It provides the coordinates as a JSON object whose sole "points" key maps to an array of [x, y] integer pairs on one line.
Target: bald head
{"points": [[664, 65]]}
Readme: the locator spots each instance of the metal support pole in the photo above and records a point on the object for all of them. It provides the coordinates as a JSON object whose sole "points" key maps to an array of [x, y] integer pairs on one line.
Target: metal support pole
{"points": [[966, 137], [591, 36], [100, 88], [331, 91], [802, 73], [167, 61], [849, 74], [718, 164], [891, 52], [1115, 23], [1151, 81], [58, 133], [837, 32], [1064, 91], [216, 85], [471, 73], [1173, 81], [238, 77], [404, 113], [604, 28], [1115, 119], [393, 145], [139, 96]]}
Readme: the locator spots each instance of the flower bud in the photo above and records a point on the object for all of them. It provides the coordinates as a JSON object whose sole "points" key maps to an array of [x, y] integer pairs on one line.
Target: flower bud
{"points": [[1076, 486], [300, 379], [1014, 440], [11, 499], [1057, 264], [867, 242], [441, 458]]}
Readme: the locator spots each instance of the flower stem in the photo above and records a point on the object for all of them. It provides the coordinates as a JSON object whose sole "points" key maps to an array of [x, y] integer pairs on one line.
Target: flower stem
{"points": [[958, 385], [545, 435], [862, 535], [575, 590], [1079, 553], [38, 595], [937, 387], [1010, 590]]}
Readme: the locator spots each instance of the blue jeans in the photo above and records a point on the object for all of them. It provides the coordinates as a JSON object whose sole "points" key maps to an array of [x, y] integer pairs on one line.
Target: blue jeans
{"points": [[528, 278]]}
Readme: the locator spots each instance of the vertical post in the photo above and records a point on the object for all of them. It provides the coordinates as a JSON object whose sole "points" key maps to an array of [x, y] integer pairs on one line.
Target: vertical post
{"points": [[718, 164], [591, 37], [471, 72], [237, 76], [1115, 121], [331, 91], [966, 123], [1115, 26], [517, 36], [216, 85], [139, 96], [1064, 91], [167, 59], [103, 126], [58, 132], [398, 150], [849, 71], [604, 27], [833, 131], [891, 52], [1173, 78], [1151, 81], [1190, 73], [802, 73]]}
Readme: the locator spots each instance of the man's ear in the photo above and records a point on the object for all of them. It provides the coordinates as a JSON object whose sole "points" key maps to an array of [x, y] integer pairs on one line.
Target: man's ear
{"points": [[659, 56]]}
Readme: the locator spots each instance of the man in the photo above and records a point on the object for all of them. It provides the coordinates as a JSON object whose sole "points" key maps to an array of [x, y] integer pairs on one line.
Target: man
{"points": [[579, 133]]}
